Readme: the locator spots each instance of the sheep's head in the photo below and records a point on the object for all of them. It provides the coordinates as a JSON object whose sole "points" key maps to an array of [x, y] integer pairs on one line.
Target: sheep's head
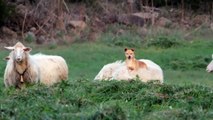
{"points": [[19, 52], [129, 53], [210, 66]]}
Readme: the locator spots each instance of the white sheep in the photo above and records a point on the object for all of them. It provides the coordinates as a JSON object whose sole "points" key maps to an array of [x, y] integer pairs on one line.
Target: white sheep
{"points": [[153, 72], [20, 66], [209, 68], [11, 77], [119, 71], [23, 67], [53, 68], [107, 70], [122, 73]]}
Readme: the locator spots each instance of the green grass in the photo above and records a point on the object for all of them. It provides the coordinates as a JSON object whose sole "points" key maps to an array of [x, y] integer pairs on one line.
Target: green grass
{"points": [[186, 94]]}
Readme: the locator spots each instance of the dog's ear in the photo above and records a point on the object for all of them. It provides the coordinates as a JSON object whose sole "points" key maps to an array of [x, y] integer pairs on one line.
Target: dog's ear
{"points": [[133, 49], [125, 49]]}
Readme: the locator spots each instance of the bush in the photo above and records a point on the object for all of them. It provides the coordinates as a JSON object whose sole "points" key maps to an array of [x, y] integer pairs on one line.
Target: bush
{"points": [[109, 113], [30, 37], [195, 63], [5, 11], [123, 40], [163, 42], [87, 2]]}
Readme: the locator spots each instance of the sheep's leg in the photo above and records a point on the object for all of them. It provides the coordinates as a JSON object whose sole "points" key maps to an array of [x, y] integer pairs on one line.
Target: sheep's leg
{"points": [[22, 80]]}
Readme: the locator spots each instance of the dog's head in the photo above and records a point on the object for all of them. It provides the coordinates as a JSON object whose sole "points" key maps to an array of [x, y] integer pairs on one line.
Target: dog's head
{"points": [[129, 53]]}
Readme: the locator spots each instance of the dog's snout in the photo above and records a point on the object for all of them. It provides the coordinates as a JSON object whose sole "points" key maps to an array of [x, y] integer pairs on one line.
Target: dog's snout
{"points": [[129, 57]]}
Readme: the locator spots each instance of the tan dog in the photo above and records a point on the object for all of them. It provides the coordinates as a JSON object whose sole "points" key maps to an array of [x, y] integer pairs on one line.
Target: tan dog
{"points": [[131, 62]]}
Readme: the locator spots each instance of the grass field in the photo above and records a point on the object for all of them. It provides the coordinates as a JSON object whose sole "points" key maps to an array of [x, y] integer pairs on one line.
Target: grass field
{"points": [[186, 94]]}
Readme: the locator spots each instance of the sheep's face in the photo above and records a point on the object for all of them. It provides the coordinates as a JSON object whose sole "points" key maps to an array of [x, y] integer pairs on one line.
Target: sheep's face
{"points": [[129, 53], [19, 52], [210, 67]]}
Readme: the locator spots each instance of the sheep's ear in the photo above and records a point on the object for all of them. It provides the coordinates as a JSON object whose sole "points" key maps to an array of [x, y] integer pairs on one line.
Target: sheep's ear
{"points": [[27, 49], [9, 48], [133, 49], [125, 49]]}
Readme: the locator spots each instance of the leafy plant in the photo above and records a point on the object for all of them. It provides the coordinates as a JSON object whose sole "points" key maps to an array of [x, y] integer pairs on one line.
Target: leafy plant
{"points": [[6, 11], [30, 37], [163, 42], [87, 2], [109, 113], [123, 40], [186, 64]]}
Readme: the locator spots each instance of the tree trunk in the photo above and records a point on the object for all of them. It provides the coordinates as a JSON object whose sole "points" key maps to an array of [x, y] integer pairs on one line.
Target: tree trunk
{"points": [[153, 18], [130, 5], [182, 12], [211, 16], [59, 12]]}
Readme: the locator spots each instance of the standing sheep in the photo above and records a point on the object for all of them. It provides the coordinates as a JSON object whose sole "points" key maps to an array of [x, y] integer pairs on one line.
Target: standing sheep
{"points": [[209, 68], [23, 67]]}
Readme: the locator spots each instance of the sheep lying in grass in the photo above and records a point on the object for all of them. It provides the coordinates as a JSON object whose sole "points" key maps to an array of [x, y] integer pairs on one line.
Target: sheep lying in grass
{"points": [[119, 71], [20, 67], [152, 72], [25, 68], [145, 70], [106, 72], [209, 68], [53, 69]]}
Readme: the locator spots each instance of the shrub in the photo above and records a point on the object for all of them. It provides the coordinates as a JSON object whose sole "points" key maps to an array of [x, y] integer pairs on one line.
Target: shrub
{"points": [[163, 42], [110, 113], [123, 40], [30, 37], [5, 11], [52, 45], [87, 2], [195, 63]]}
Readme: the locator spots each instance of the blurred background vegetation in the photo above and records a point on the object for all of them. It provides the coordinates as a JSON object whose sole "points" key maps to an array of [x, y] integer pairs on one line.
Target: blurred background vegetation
{"points": [[68, 21]]}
